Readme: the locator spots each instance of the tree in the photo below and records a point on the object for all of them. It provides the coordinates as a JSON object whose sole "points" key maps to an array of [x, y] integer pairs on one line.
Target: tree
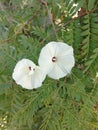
{"points": [[68, 104]]}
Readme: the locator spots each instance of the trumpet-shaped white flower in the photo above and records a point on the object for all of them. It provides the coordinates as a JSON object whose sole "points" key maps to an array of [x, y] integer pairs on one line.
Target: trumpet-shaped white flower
{"points": [[57, 59], [28, 75]]}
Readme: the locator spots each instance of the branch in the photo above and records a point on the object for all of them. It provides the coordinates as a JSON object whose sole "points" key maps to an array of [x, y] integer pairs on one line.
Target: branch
{"points": [[50, 17], [83, 14], [21, 28]]}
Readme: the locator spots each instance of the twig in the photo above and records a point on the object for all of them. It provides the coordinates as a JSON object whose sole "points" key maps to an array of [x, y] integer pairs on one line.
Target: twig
{"points": [[86, 13], [21, 28], [50, 17]]}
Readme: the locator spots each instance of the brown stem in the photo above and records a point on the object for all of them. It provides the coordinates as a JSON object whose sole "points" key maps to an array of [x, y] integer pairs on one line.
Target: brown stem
{"points": [[22, 27], [83, 14], [50, 17]]}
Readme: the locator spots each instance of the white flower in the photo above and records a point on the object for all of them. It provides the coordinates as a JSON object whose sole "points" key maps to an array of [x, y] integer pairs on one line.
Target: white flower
{"points": [[57, 59], [28, 75]]}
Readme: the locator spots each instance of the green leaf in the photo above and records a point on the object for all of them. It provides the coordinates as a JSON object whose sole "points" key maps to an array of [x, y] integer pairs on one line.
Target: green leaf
{"points": [[85, 33], [91, 4]]}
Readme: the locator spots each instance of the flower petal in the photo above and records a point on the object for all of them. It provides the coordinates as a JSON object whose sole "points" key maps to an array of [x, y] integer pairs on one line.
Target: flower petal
{"points": [[45, 57], [66, 62], [56, 72], [26, 82], [58, 48], [38, 77]]}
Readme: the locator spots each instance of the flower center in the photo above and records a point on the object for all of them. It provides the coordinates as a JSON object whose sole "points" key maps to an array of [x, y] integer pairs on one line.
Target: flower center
{"points": [[30, 68], [54, 59]]}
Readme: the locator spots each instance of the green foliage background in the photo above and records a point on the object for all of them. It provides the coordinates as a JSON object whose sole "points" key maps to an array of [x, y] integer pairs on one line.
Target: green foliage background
{"points": [[68, 104]]}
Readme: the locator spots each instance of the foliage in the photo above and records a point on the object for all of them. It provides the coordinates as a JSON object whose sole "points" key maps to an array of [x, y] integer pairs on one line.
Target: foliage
{"points": [[68, 104]]}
